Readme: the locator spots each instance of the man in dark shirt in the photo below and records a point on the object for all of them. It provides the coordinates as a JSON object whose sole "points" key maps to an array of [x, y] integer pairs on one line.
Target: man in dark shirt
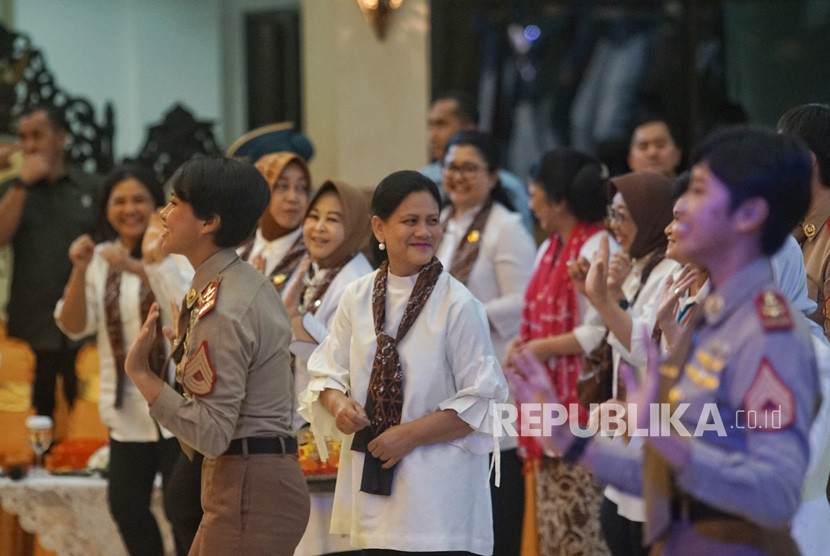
{"points": [[41, 212]]}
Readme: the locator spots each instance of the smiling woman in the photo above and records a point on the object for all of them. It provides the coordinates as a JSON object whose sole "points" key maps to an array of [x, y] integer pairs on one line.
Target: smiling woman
{"points": [[413, 402]]}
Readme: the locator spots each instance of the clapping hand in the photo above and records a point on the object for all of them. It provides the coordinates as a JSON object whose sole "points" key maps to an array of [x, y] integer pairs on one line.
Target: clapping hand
{"points": [[529, 383], [80, 251]]}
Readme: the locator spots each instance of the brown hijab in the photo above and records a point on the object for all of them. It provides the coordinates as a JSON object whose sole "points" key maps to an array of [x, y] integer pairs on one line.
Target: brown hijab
{"points": [[271, 167], [356, 220], [648, 196]]}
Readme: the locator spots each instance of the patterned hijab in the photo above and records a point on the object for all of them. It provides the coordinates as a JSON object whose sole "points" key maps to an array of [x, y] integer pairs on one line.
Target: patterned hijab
{"points": [[271, 167]]}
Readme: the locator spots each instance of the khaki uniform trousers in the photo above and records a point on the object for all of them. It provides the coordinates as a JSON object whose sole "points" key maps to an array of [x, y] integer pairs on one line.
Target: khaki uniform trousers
{"points": [[255, 504]]}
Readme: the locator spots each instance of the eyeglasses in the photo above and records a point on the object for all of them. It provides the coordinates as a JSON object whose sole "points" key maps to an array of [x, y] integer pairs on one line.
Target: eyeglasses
{"points": [[615, 216], [466, 170]]}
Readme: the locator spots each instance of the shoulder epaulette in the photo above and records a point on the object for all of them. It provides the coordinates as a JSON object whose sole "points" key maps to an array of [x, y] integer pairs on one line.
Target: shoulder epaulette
{"points": [[773, 311]]}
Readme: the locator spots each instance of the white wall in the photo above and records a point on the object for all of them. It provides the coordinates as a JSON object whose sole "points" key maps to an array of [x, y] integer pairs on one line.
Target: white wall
{"points": [[144, 55], [365, 100]]}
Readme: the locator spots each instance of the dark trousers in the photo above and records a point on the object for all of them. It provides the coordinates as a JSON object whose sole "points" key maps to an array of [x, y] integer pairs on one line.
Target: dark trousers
{"points": [[132, 471], [183, 500], [508, 505], [624, 537], [50, 364]]}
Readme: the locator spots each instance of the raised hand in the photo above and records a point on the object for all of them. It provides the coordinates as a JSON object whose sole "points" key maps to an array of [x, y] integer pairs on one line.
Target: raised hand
{"points": [[35, 168], [135, 364], [578, 270], [117, 257], [618, 270], [529, 383], [80, 251], [152, 246], [6, 151], [596, 280]]}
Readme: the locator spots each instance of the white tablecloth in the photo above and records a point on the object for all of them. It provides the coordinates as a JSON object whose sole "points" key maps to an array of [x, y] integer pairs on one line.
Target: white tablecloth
{"points": [[71, 515]]}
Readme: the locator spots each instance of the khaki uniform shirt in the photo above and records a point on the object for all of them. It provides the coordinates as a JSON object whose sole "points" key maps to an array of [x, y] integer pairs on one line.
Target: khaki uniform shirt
{"points": [[814, 237], [234, 367]]}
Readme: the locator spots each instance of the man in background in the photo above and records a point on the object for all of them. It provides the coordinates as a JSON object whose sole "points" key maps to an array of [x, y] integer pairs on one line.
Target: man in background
{"points": [[457, 111], [653, 149], [41, 211]]}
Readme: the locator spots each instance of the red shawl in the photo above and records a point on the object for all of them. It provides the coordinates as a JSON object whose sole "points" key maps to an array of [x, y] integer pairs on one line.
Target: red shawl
{"points": [[551, 308]]}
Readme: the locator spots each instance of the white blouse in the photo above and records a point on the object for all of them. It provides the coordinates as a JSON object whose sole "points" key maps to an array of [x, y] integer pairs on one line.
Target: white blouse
{"points": [[501, 272], [440, 494], [132, 421]]}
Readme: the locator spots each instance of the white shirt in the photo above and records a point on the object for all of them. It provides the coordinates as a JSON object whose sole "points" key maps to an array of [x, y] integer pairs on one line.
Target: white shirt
{"points": [[317, 324], [643, 313], [273, 251], [440, 495], [501, 272], [132, 421]]}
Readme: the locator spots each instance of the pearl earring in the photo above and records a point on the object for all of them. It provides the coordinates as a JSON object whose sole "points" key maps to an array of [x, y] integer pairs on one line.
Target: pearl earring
{"points": [[382, 246]]}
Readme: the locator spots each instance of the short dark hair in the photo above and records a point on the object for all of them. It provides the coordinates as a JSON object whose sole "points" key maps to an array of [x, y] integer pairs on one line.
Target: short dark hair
{"points": [[754, 162], [577, 178], [652, 118], [811, 122], [391, 192], [466, 107], [231, 189], [486, 146], [116, 176], [55, 115]]}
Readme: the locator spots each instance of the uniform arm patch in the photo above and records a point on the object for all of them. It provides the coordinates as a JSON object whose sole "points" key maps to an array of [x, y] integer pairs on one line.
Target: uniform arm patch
{"points": [[199, 376], [773, 311], [769, 400]]}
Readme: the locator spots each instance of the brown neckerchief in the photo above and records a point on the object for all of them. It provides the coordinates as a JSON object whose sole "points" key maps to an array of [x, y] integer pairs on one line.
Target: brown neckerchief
{"points": [[115, 330], [467, 251], [313, 302], [287, 265], [384, 400]]}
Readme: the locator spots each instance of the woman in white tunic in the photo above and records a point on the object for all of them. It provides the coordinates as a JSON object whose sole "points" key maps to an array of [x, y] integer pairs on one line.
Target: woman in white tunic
{"points": [[486, 248], [416, 413]]}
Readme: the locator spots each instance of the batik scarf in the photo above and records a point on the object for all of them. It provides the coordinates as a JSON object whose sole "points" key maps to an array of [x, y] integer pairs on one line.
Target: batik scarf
{"points": [[551, 308], [384, 400]]}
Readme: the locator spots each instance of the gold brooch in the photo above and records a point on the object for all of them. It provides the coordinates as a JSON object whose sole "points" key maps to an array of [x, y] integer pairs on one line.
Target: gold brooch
{"points": [[190, 299], [473, 236], [278, 279], [809, 230], [713, 307]]}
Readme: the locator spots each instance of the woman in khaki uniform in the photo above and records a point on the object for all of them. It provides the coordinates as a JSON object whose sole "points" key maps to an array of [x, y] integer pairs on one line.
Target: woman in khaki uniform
{"points": [[233, 366]]}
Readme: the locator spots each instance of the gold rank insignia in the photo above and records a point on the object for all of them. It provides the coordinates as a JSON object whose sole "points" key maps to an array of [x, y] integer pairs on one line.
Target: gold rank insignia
{"points": [[207, 299], [190, 299], [773, 311], [199, 375], [669, 371], [712, 307], [473, 236], [809, 230], [278, 279], [675, 395]]}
